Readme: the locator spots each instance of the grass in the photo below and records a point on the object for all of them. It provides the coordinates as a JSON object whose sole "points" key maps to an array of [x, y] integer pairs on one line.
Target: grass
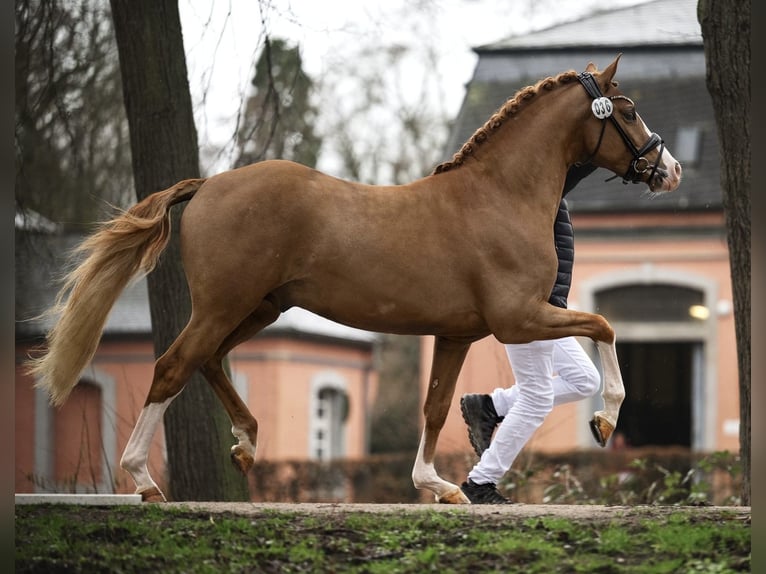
{"points": [[149, 538]]}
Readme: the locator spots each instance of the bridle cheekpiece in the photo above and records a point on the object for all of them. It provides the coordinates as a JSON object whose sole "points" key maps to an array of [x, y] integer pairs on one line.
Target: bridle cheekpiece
{"points": [[603, 108]]}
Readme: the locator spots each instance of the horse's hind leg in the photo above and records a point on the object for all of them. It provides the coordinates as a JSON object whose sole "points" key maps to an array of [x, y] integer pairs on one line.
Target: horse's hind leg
{"points": [[448, 358], [171, 371], [136, 453], [243, 425]]}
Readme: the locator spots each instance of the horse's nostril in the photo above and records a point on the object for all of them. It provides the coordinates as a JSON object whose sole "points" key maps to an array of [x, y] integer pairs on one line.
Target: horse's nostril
{"points": [[677, 169]]}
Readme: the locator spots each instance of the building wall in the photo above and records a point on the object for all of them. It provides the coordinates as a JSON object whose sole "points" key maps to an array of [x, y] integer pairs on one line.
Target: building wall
{"points": [[274, 376], [122, 370], [284, 410], [698, 262], [635, 255]]}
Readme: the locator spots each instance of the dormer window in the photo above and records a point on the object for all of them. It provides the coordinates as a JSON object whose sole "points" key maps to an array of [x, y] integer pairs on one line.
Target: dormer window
{"points": [[687, 147]]}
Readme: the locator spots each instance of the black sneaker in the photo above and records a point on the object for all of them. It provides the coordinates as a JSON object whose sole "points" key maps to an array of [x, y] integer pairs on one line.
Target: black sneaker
{"points": [[480, 416], [483, 493]]}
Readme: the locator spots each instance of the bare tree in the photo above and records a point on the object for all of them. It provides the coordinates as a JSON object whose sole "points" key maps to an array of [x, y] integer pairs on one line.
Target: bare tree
{"points": [[726, 38], [386, 124], [279, 116], [71, 135], [164, 147], [388, 130]]}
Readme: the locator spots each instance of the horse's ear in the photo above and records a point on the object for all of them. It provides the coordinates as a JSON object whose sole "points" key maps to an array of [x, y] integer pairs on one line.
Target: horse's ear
{"points": [[591, 67], [608, 74]]}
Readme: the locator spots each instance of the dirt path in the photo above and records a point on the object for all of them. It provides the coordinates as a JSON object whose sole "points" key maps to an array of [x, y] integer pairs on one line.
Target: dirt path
{"points": [[570, 511]]}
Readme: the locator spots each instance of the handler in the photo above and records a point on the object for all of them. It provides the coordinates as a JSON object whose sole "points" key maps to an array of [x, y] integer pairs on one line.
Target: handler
{"points": [[521, 409]]}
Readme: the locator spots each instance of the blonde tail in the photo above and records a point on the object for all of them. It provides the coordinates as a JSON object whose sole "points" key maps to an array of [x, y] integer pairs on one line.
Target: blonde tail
{"points": [[122, 248]]}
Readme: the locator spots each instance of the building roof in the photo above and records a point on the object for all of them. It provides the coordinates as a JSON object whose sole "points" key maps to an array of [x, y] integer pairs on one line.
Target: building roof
{"points": [[656, 23], [662, 69], [40, 261]]}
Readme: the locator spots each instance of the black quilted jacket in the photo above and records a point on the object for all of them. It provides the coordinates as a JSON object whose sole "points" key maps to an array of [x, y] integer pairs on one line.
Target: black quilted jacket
{"points": [[563, 234]]}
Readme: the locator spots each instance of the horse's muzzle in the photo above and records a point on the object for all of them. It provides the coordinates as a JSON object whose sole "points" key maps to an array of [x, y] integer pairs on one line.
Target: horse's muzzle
{"points": [[667, 177]]}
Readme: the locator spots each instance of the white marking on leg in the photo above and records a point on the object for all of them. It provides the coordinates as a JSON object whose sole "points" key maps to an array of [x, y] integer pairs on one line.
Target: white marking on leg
{"points": [[244, 441], [614, 390], [134, 458], [424, 475]]}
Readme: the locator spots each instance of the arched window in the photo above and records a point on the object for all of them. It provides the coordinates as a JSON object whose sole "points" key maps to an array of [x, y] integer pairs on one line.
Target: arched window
{"points": [[76, 445], [77, 432], [329, 413]]}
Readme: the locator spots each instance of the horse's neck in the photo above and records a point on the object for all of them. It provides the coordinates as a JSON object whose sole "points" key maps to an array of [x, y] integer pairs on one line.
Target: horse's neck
{"points": [[523, 178], [509, 199], [527, 159]]}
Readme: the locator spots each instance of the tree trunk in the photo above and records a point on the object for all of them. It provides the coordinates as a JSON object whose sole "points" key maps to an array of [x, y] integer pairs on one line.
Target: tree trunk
{"points": [[726, 37], [164, 150]]}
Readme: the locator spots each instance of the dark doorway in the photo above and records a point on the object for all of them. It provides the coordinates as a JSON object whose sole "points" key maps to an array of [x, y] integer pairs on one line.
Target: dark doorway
{"points": [[658, 392]]}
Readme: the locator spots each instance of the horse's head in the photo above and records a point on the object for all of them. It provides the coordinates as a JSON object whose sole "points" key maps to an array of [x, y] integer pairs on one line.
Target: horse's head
{"points": [[618, 139]]}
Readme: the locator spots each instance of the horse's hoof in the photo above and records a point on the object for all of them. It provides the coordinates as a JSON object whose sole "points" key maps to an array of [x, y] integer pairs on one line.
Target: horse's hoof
{"points": [[152, 494], [453, 497], [241, 460], [602, 429]]}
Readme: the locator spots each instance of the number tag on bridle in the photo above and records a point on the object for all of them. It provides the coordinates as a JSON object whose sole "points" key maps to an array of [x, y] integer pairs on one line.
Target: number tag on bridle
{"points": [[602, 107]]}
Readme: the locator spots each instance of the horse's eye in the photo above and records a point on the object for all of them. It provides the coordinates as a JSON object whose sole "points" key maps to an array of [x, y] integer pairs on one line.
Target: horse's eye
{"points": [[629, 115]]}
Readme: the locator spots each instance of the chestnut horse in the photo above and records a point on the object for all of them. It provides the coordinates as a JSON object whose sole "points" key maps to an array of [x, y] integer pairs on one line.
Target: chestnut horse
{"points": [[461, 254]]}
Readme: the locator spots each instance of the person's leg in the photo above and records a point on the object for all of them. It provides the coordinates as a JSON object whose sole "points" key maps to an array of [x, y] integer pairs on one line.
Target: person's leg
{"points": [[576, 377], [532, 365]]}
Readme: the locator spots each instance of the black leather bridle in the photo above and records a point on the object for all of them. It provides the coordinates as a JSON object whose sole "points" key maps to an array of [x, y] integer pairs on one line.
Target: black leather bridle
{"points": [[603, 108]]}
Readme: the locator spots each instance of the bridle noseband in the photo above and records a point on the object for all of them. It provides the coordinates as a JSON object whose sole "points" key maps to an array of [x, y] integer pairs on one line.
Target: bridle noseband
{"points": [[602, 108]]}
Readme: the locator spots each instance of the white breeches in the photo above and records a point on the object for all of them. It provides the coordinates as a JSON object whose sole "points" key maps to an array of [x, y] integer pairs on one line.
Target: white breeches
{"points": [[526, 404]]}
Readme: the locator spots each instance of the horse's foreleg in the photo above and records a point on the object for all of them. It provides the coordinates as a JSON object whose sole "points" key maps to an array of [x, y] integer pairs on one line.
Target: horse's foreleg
{"points": [[554, 323], [604, 422], [448, 358]]}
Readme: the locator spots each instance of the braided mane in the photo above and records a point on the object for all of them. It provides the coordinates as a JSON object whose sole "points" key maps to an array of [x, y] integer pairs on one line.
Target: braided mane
{"points": [[510, 108]]}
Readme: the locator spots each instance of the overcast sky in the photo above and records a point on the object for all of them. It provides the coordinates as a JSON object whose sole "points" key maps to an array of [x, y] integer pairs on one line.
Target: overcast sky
{"points": [[223, 39]]}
